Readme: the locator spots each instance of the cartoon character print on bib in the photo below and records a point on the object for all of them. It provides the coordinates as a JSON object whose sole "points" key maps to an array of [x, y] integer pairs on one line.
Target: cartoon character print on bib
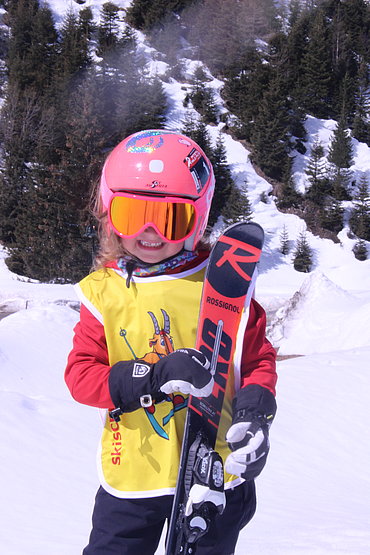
{"points": [[161, 344]]}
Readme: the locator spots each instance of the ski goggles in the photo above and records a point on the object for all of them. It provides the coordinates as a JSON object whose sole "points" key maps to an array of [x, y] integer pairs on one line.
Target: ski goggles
{"points": [[172, 218]]}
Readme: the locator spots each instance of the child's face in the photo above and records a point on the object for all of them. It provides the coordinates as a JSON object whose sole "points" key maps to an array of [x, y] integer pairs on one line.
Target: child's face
{"points": [[149, 247]]}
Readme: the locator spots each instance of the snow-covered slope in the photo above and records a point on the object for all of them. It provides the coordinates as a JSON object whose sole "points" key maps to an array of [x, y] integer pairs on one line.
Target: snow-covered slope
{"points": [[312, 496]]}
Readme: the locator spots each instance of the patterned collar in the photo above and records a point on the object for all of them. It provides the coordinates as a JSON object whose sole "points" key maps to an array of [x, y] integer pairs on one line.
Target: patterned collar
{"points": [[135, 267]]}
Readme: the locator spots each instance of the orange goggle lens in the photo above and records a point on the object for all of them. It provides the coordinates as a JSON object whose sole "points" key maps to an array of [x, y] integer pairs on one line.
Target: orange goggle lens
{"points": [[174, 220]]}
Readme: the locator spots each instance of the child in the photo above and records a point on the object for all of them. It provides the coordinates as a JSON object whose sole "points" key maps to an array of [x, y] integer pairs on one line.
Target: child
{"points": [[133, 349]]}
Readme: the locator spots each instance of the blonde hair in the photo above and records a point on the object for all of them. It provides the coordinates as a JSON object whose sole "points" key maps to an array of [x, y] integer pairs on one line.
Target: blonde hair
{"points": [[110, 244]]}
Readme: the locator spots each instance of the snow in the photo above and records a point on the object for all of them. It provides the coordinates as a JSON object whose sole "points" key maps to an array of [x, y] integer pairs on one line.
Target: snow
{"points": [[298, 325], [322, 131], [61, 7], [313, 496]]}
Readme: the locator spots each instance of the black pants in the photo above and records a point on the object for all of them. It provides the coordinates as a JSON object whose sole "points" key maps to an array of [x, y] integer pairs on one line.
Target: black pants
{"points": [[134, 526]]}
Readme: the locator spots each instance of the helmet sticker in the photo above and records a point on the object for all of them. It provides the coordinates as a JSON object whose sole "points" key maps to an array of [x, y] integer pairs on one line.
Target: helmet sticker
{"points": [[198, 169], [192, 158], [155, 184], [147, 141], [184, 141]]}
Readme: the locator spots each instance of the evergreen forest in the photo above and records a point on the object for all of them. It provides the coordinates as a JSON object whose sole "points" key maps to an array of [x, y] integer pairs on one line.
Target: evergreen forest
{"points": [[70, 92]]}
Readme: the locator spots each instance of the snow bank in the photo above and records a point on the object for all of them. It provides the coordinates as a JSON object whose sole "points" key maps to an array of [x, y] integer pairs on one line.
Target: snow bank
{"points": [[18, 292], [313, 493], [321, 317], [33, 348], [48, 478]]}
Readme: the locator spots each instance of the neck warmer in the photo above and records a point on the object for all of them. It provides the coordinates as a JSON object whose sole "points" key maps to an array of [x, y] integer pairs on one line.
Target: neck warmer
{"points": [[135, 267]]}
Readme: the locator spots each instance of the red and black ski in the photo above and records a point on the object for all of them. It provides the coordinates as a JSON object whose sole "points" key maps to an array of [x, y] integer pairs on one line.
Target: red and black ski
{"points": [[227, 290]]}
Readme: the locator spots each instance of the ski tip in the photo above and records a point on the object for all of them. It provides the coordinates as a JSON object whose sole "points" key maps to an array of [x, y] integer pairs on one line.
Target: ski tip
{"points": [[244, 225], [250, 231]]}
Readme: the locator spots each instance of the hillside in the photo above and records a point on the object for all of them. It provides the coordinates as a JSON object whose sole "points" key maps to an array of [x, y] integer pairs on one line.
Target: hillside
{"points": [[333, 258]]}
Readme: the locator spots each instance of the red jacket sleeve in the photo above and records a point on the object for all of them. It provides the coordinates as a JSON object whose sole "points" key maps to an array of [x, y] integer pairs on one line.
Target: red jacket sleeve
{"points": [[88, 368], [259, 356]]}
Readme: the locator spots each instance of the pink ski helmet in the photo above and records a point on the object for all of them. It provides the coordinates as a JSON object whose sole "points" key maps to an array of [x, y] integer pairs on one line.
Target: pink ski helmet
{"points": [[158, 175]]}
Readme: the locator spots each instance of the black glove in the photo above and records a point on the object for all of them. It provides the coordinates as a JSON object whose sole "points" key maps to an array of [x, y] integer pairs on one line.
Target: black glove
{"points": [[254, 409], [135, 383]]}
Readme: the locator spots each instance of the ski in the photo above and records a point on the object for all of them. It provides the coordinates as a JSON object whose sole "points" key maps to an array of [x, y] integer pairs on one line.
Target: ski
{"points": [[227, 291]]}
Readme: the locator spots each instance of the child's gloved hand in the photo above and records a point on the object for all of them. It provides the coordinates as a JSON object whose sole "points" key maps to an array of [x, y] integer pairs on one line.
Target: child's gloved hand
{"points": [[185, 370], [248, 437], [133, 383], [250, 445]]}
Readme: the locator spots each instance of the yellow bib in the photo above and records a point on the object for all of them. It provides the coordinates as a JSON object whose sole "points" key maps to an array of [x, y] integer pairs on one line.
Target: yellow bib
{"points": [[139, 456]]}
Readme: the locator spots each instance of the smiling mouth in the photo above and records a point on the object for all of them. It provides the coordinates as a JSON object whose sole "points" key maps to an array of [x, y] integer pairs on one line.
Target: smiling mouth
{"points": [[149, 244]]}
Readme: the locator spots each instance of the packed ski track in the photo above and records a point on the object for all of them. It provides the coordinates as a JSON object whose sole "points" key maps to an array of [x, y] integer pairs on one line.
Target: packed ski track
{"points": [[313, 496]]}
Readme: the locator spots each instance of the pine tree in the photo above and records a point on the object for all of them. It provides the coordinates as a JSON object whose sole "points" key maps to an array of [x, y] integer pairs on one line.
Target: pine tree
{"points": [[340, 149], [303, 255], [49, 243], [43, 50], [86, 22], [32, 40], [360, 215], [341, 158], [344, 62], [25, 132], [152, 105], [295, 13], [294, 50], [145, 14], [140, 104], [270, 137], [86, 133], [288, 196], [355, 17], [197, 130], [243, 89], [284, 241], [223, 179], [361, 126], [237, 207], [224, 31], [316, 172], [30, 68], [203, 100], [331, 215], [108, 30], [189, 124], [317, 69], [73, 47]]}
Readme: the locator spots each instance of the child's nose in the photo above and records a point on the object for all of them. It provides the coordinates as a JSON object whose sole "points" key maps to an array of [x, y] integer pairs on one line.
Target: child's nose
{"points": [[151, 231]]}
